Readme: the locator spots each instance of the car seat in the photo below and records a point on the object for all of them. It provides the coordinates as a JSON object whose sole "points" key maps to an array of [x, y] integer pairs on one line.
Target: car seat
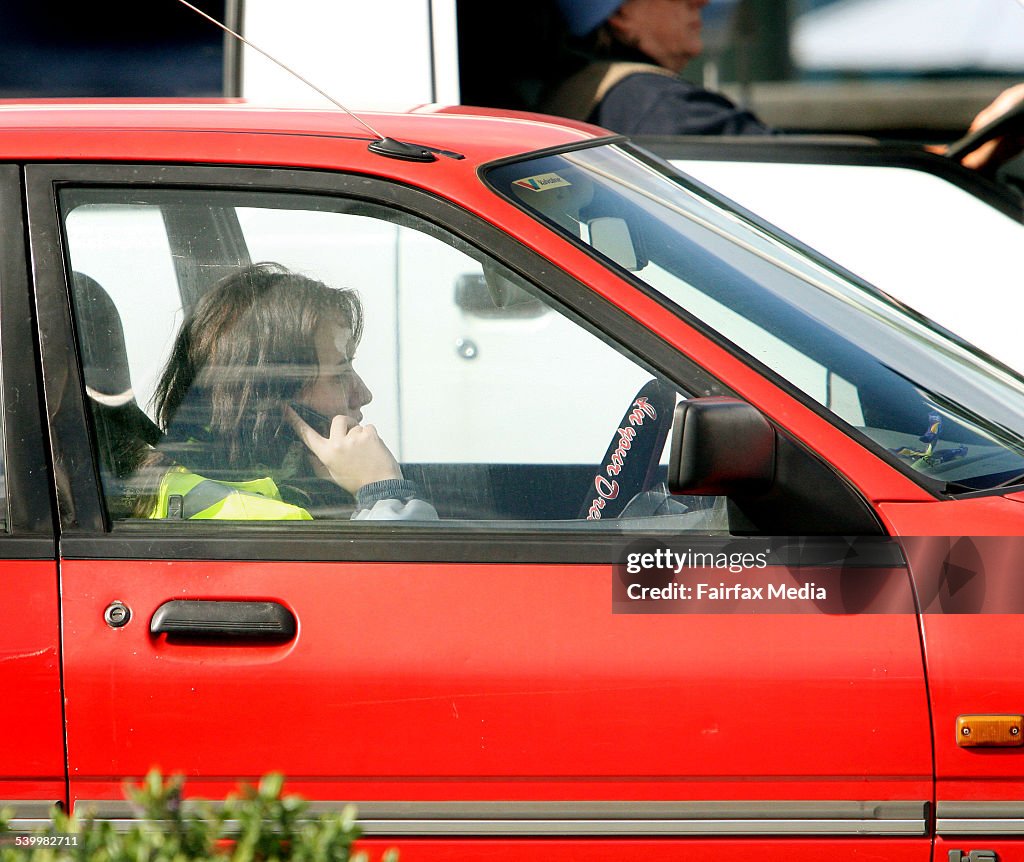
{"points": [[122, 429]]}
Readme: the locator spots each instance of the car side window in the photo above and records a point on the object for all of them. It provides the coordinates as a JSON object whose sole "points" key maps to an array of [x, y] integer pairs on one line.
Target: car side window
{"points": [[249, 394]]}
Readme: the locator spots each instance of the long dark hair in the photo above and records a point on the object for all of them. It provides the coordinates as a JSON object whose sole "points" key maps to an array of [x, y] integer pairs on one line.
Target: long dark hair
{"points": [[244, 353]]}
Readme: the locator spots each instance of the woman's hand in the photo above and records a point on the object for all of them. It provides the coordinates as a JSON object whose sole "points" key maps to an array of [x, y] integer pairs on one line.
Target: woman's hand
{"points": [[353, 455]]}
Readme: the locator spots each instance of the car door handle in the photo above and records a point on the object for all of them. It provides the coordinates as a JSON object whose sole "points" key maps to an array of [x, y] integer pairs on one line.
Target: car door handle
{"points": [[200, 619]]}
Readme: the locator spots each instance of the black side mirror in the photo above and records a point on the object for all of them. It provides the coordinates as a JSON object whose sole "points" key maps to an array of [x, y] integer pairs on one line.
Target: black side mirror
{"points": [[774, 485], [721, 446]]}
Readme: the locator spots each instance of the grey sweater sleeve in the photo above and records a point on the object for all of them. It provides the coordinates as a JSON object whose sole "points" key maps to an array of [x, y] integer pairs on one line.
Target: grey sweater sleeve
{"points": [[392, 500]]}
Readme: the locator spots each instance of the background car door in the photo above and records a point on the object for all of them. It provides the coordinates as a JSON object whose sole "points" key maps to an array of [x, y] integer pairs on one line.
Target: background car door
{"points": [[934, 235], [470, 677], [32, 776]]}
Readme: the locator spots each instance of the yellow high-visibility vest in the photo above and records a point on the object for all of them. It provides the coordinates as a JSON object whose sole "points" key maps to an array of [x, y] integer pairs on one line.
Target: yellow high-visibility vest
{"points": [[184, 495]]}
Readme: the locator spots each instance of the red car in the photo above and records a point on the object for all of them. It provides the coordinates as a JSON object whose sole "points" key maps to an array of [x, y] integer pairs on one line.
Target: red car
{"points": [[690, 543]]}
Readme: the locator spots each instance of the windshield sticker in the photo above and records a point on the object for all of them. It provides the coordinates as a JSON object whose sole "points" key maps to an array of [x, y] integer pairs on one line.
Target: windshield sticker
{"points": [[542, 182]]}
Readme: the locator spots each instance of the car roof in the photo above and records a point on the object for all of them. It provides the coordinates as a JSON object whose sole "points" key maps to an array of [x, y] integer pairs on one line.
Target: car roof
{"points": [[127, 129]]}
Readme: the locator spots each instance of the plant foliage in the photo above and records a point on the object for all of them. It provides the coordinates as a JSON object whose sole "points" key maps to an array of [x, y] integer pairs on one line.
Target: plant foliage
{"points": [[259, 824]]}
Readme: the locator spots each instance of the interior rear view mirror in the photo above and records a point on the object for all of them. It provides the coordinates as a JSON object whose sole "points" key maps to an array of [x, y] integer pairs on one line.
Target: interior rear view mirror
{"points": [[611, 237]]}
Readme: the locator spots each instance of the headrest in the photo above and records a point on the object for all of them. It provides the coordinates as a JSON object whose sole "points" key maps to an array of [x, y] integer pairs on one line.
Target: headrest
{"points": [[101, 343]]}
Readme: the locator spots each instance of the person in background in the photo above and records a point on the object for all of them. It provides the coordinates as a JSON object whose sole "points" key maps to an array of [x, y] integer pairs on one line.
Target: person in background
{"points": [[633, 52]]}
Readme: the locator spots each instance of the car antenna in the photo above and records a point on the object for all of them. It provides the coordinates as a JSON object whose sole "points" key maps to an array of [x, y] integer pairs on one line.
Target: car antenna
{"points": [[383, 145]]}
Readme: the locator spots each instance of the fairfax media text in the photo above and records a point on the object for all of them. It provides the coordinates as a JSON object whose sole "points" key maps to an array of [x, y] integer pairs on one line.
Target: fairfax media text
{"points": [[731, 592]]}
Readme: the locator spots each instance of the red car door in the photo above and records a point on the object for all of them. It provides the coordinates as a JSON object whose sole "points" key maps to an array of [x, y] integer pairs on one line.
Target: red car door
{"points": [[470, 678], [32, 777]]}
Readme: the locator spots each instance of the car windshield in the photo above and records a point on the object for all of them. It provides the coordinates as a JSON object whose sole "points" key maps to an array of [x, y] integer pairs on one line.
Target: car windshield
{"points": [[920, 395]]}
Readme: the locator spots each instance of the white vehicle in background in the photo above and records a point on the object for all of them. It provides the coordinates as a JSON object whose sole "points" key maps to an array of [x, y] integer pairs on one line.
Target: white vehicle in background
{"points": [[917, 226], [327, 42], [935, 236]]}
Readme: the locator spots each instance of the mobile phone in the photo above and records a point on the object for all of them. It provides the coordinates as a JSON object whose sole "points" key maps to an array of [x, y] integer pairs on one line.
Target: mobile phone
{"points": [[317, 421]]}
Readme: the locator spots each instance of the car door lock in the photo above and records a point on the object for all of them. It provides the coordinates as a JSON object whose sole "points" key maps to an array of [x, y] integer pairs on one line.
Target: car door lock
{"points": [[117, 615]]}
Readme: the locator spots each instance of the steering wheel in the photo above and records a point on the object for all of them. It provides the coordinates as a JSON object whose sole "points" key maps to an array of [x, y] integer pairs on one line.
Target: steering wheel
{"points": [[630, 463]]}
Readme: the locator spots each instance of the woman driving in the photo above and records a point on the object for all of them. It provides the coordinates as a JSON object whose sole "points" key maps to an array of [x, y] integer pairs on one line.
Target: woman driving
{"points": [[263, 348]]}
